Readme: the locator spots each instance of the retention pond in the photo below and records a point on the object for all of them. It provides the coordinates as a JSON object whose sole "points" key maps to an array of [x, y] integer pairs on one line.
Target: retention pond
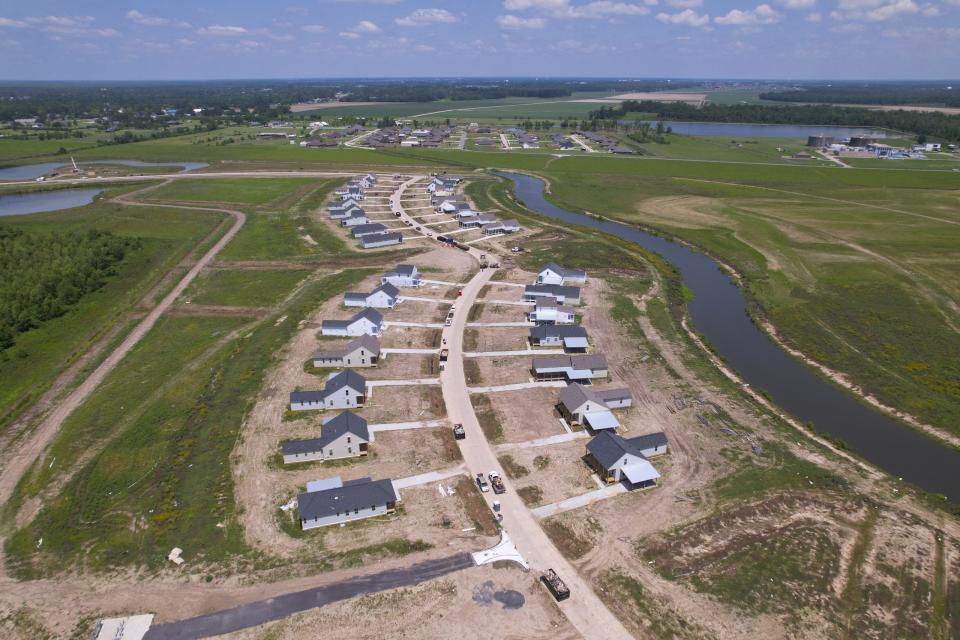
{"points": [[719, 312]]}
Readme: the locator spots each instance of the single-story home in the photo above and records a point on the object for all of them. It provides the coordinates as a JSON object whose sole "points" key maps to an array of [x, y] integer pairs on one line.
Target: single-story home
{"points": [[343, 436], [572, 338], [551, 313], [583, 405], [335, 502], [383, 297], [344, 390], [404, 275], [476, 221], [618, 459], [369, 229], [555, 274], [362, 352], [367, 322], [576, 368], [500, 227], [380, 240], [562, 294]]}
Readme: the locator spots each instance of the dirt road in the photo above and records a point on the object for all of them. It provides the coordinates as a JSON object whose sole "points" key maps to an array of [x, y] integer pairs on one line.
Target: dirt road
{"points": [[23, 455]]}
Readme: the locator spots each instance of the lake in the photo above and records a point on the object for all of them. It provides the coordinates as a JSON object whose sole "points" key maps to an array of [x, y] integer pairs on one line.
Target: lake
{"points": [[718, 311], [17, 204], [32, 171], [746, 130]]}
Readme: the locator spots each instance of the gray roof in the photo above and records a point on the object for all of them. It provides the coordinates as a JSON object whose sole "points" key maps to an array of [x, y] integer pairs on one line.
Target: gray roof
{"points": [[606, 395], [363, 229], [552, 290], [607, 447], [306, 396], [346, 378], [372, 315], [386, 238], [649, 441], [579, 361], [405, 269], [370, 343], [574, 395], [354, 494], [388, 289], [559, 330]]}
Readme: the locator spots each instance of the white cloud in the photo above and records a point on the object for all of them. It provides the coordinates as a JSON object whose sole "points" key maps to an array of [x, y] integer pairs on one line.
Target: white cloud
{"points": [[797, 4], [365, 26], [424, 48], [687, 17], [185, 42], [369, 1], [685, 4], [150, 21], [873, 10], [222, 30], [349, 35], [516, 22], [813, 17], [763, 14], [850, 27], [313, 28], [563, 8], [15, 24], [425, 17], [891, 10], [930, 11]]}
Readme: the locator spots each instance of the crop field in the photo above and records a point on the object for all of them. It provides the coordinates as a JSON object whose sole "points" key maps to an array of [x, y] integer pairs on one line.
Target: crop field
{"points": [[165, 237]]}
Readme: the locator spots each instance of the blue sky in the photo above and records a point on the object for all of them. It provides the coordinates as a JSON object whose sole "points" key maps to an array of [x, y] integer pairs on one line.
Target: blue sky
{"points": [[836, 39]]}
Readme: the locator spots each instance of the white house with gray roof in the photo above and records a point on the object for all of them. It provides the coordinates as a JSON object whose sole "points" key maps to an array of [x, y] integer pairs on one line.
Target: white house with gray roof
{"points": [[546, 312], [344, 390], [592, 408], [381, 240], [368, 322], [343, 436], [560, 293], [334, 501], [362, 352], [555, 274], [344, 210], [476, 221], [355, 218], [383, 297], [573, 338], [500, 227], [582, 368], [369, 229], [618, 459], [404, 275]]}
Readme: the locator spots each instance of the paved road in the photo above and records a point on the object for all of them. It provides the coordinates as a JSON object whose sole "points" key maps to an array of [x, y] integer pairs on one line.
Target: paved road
{"points": [[257, 613], [33, 446], [584, 609]]}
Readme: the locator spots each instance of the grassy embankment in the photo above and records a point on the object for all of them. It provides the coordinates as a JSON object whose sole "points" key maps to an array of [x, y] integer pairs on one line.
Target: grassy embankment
{"points": [[40, 355]]}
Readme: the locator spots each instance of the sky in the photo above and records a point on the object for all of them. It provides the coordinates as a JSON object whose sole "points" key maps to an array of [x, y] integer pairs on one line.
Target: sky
{"points": [[227, 39]]}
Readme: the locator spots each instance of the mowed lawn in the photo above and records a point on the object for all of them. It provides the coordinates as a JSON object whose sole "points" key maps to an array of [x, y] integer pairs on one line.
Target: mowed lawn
{"points": [[238, 190], [244, 287], [39, 355]]}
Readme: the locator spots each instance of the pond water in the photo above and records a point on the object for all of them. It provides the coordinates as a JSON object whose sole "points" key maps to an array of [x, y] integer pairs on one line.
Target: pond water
{"points": [[746, 130], [17, 204], [719, 312], [32, 171]]}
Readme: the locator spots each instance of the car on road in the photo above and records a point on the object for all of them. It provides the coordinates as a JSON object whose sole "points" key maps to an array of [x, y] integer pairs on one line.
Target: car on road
{"points": [[482, 483], [459, 433], [460, 293], [555, 585], [496, 482]]}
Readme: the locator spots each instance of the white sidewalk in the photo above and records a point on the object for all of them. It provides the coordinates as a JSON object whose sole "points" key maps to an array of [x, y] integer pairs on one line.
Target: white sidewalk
{"points": [[579, 501]]}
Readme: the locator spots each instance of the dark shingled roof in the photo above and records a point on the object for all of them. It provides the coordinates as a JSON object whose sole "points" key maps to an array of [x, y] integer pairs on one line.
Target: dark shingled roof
{"points": [[607, 447], [346, 422], [559, 330], [346, 378], [552, 290], [649, 441], [369, 342], [356, 494]]}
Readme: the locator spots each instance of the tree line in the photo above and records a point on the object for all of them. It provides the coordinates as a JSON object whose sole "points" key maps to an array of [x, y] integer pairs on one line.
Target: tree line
{"points": [[882, 94], [929, 124], [42, 275]]}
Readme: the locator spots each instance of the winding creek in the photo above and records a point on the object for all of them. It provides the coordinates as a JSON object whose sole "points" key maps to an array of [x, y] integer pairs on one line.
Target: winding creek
{"points": [[32, 171], [718, 311]]}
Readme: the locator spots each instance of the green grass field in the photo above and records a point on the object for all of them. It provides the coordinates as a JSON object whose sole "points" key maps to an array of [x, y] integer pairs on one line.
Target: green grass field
{"points": [[233, 190], [244, 287], [166, 235]]}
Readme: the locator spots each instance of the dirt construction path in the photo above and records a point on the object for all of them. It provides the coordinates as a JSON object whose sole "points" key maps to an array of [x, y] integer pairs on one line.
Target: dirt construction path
{"points": [[20, 458]]}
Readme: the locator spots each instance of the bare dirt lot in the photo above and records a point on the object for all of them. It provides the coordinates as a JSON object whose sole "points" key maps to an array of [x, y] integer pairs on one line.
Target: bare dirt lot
{"points": [[419, 311], [410, 338], [503, 370], [300, 107], [557, 471], [404, 404], [496, 339], [658, 96], [526, 414], [494, 291], [480, 603], [493, 312]]}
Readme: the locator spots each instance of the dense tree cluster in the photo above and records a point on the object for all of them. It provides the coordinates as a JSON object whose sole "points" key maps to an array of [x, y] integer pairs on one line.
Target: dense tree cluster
{"points": [[939, 95], [42, 275], [929, 124]]}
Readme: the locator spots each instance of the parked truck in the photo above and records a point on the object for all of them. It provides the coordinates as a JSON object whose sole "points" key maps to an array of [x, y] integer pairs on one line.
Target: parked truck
{"points": [[459, 433], [555, 585], [496, 482], [482, 483], [444, 354]]}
